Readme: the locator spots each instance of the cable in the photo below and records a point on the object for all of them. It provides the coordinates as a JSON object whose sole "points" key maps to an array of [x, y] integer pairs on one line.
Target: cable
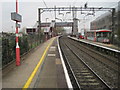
{"points": [[45, 4], [65, 14], [47, 7]]}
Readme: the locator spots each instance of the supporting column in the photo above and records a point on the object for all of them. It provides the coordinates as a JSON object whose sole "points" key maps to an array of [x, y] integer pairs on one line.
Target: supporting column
{"points": [[75, 21]]}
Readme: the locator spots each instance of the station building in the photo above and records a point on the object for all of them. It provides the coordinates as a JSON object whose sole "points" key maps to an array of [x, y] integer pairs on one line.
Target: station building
{"points": [[105, 20]]}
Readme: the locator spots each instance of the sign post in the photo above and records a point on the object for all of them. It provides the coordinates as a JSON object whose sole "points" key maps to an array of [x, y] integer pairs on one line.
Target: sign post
{"points": [[16, 17], [17, 45]]}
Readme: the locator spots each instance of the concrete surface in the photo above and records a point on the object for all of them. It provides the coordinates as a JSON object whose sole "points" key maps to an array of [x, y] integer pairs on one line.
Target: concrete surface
{"points": [[49, 75], [52, 74]]}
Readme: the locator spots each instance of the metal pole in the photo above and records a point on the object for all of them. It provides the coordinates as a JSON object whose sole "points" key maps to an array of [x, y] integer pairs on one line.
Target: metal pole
{"points": [[84, 28], [39, 19], [55, 21], [95, 32], [84, 31], [72, 27], [46, 34], [17, 45], [39, 22], [118, 30], [113, 24]]}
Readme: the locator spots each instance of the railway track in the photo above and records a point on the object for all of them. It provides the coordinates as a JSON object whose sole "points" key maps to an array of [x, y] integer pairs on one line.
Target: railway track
{"points": [[107, 57], [105, 67], [108, 61], [84, 76]]}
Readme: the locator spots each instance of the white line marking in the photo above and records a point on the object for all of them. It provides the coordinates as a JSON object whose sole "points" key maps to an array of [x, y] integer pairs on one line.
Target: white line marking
{"points": [[53, 55], [65, 69], [52, 47]]}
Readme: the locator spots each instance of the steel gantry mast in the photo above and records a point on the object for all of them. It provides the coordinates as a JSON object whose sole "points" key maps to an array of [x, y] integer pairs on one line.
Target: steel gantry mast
{"points": [[74, 11]]}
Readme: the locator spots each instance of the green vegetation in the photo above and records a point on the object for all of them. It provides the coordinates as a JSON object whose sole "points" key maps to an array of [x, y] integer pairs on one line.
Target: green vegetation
{"points": [[26, 43], [60, 29], [118, 33]]}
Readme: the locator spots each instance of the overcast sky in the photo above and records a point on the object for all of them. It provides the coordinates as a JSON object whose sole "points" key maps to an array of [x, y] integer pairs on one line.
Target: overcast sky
{"points": [[29, 10]]}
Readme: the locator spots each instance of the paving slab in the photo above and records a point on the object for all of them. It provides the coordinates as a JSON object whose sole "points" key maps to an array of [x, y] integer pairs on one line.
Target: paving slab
{"points": [[52, 74], [49, 75]]}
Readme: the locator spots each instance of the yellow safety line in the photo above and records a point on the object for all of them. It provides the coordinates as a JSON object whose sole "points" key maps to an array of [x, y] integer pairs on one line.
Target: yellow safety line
{"points": [[27, 84]]}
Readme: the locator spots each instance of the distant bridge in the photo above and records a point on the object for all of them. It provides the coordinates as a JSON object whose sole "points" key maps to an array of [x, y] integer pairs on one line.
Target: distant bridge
{"points": [[58, 24]]}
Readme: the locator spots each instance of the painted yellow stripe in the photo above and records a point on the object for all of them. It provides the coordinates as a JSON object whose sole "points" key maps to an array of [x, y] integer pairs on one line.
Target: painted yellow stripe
{"points": [[27, 84]]}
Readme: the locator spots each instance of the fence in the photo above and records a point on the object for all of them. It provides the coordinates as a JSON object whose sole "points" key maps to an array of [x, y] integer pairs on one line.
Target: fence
{"points": [[26, 43]]}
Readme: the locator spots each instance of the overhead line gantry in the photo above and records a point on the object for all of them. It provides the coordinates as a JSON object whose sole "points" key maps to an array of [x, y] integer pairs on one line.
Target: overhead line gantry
{"points": [[85, 8]]}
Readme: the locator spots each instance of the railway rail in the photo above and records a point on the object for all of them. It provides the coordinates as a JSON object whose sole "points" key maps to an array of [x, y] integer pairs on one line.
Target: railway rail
{"points": [[84, 75], [109, 61], [106, 66], [106, 50]]}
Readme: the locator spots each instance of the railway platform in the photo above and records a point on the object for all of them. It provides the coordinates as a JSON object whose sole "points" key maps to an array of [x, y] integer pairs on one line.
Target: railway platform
{"points": [[97, 43], [41, 68], [62, 63]]}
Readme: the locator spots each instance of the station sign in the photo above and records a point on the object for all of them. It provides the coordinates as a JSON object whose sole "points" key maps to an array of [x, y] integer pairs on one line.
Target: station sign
{"points": [[16, 17]]}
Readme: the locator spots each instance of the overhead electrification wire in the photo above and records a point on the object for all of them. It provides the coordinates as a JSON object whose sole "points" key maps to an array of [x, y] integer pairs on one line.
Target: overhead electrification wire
{"points": [[45, 3], [47, 7]]}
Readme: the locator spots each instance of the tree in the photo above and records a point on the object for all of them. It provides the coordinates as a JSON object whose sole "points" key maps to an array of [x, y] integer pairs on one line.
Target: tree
{"points": [[60, 29]]}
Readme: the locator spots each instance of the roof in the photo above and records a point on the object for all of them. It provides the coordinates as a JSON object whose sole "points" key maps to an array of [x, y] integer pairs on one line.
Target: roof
{"points": [[105, 14], [102, 30], [30, 27]]}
